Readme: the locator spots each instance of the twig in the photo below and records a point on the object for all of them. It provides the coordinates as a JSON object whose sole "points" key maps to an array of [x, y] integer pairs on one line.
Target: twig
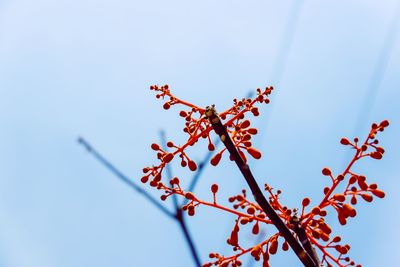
{"points": [[123, 177], [178, 216], [189, 240], [178, 211], [220, 129]]}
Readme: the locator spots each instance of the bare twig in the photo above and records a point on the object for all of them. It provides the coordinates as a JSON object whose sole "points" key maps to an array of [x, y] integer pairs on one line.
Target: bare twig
{"points": [[189, 240], [124, 178], [220, 129], [178, 216]]}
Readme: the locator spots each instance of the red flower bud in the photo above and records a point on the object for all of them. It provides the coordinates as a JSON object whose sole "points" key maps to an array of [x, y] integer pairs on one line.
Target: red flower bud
{"points": [[326, 172], [170, 144], [254, 152], [344, 141], [168, 157], [285, 246], [215, 160], [214, 188], [251, 210], [192, 165], [273, 247], [256, 229], [367, 197], [189, 196], [245, 124], [376, 155], [305, 202], [167, 105], [211, 147], [316, 210], [339, 197], [384, 123], [378, 193], [252, 131], [155, 147]]}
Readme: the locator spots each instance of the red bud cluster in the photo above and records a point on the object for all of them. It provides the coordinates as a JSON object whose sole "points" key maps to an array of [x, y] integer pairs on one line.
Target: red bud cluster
{"points": [[248, 213]]}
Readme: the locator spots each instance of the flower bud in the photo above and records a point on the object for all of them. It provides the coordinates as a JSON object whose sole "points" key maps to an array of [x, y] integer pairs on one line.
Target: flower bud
{"points": [[155, 147], [273, 247], [245, 124], [316, 210], [305, 202], [254, 152], [378, 193], [166, 105], [252, 131], [376, 155], [189, 196], [214, 188], [339, 197], [367, 197], [344, 141], [192, 165], [215, 160], [326, 172], [168, 157], [256, 229], [384, 123]]}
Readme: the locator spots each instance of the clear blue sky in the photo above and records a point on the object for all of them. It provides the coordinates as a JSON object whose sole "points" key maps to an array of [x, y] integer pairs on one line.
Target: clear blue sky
{"points": [[83, 68]]}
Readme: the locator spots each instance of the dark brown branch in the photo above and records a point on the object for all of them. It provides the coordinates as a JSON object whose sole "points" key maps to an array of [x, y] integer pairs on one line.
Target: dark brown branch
{"points": [[301, 234], [220, 129]]}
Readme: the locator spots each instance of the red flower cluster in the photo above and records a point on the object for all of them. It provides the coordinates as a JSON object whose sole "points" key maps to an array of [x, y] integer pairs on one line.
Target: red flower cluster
{"points": [[250, 214]]}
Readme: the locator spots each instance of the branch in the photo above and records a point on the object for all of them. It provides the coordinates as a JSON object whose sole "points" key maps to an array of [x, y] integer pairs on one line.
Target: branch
{"points": [[178, 216], [220, 129], [123, 177]]}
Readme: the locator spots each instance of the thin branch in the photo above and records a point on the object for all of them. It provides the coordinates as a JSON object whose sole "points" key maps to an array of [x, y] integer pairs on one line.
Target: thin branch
{"points": [[220, 129], [178, 211], [189, 240], [123, 177], [178, 216]]}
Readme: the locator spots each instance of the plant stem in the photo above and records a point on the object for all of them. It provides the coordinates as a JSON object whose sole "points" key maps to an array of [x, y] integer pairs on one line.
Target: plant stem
{"points": [[220, 129], [123, 177], [178, 217]]}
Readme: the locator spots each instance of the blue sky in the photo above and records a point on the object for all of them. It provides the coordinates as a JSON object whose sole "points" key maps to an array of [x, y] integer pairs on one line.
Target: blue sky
{"points": [[83, 68]]}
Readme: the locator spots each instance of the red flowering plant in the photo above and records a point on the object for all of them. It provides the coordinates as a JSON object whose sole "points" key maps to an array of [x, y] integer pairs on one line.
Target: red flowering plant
{"points": [[303, 229]]}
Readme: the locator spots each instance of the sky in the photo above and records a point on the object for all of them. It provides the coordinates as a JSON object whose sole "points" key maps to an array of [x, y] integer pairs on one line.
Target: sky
{"points": [[83, 68]]}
